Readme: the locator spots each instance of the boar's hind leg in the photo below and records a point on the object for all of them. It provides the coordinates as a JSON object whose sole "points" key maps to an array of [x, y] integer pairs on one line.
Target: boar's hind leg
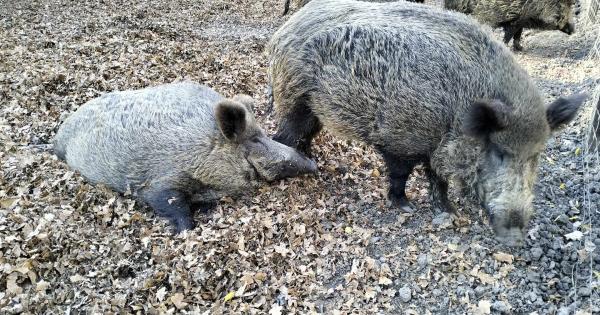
{"points": [[517, 39], [172, 205], [298, 126], [439, 192], [513, 32], [399, 170]]}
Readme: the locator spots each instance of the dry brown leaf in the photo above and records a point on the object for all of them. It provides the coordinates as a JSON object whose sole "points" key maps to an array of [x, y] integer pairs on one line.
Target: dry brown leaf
{"points": [[177, 300], [12, 287], [503, 257]]}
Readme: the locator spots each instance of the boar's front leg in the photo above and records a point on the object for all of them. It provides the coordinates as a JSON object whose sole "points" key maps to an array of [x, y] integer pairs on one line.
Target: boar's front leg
{"points": [[439, 192], [173, 205], [298, 125], [399, 170]]}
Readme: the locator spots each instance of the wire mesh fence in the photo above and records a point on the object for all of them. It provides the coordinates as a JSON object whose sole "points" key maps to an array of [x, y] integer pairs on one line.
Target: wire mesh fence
{"points": [[591, 21]]}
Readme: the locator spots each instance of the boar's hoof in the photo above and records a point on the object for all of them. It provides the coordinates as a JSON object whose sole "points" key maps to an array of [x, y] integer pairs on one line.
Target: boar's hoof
{"points": [[517, 47], [402, 203]]}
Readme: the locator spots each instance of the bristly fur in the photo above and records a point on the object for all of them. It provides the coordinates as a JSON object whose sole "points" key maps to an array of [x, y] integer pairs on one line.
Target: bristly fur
{"points": [[514, 15], [404, 78], [301, 3], [173, 145]]}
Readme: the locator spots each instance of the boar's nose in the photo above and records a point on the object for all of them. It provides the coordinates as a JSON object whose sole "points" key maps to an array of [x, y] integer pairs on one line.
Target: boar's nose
{"points": [[569, 28], [512, 236], [509, 227], [273, 161]]}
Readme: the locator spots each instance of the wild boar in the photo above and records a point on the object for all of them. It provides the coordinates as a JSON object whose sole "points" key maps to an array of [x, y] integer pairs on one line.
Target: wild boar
{"points": [[301, 3], [176, 146], [515, 15], [422, 85]]}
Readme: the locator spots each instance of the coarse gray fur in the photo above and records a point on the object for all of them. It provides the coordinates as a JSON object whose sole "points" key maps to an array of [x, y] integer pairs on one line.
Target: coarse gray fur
{"points": [[515, 15], [301, 3], [174, 145], [421, 85]]}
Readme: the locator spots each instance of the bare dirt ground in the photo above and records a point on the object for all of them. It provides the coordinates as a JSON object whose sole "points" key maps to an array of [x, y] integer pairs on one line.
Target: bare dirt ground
{"points": [[326, 243]]}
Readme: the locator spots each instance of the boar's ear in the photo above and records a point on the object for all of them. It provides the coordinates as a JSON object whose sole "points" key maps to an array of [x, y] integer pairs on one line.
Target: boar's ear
{"points": [[563, 110], [246, 100], [486, 117], [231, 118]]}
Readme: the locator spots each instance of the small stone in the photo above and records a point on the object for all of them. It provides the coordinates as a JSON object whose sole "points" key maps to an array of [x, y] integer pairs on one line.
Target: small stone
{"points": [[533, 277], [422, 260], [501, 307], [479, 290], [536, 253], [442, 220], [405, 294], [562, 219], [585, 291]]}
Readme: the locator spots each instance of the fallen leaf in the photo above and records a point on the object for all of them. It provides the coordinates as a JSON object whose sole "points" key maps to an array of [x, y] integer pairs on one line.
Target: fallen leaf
{"points": [[484, 307], [299, 229], [177, 300], [42, 286], [160, 294], [229, 296], [504, 257], [574, 236], [275, 309], [76, 278], [11, 284], [370, 293], [385, 281], [8, 202]]}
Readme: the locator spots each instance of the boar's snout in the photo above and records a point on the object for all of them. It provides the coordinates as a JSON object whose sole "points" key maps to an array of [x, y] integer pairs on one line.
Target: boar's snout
{"points": [[273, 160], [510, 226], [569, 28]]}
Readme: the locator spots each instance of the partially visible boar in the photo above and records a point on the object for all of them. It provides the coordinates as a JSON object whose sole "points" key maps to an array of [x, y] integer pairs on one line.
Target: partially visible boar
{"points": [[301, 3], [421, 85], [174, 145], [515, 15]]}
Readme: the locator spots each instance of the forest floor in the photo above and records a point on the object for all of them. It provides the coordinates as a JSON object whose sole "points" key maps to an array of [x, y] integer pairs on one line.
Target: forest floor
{"points": [[326, 243]]}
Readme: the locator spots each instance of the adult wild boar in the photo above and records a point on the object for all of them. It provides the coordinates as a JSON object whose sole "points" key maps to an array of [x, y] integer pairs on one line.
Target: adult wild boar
{"points": [[515, 15], [422, 85], [175, 146]]}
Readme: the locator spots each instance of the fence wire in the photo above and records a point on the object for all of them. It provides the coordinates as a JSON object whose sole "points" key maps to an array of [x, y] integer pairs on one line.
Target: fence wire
{"points": [[591, 23], [591, 20]]}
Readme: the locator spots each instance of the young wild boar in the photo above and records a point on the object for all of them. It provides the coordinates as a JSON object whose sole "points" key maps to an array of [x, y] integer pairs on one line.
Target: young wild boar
{"points": [[301, 3], [421, 85], [176, 146], [514, 15]]}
